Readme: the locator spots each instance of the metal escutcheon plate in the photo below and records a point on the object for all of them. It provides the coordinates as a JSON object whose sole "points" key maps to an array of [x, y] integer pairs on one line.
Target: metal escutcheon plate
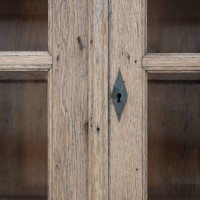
{"points": [[119, 95]]}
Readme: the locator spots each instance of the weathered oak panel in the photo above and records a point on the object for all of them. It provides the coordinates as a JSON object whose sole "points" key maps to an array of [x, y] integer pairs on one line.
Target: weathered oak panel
{"points": [[127, 23]]}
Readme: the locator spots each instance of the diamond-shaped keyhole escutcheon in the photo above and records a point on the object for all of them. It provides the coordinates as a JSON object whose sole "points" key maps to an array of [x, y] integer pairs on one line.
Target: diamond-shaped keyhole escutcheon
{"points": [[119, 95]]}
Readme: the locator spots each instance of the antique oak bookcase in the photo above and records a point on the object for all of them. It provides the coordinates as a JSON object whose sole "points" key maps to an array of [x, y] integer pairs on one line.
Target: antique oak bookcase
{"points": [[99, 99]]}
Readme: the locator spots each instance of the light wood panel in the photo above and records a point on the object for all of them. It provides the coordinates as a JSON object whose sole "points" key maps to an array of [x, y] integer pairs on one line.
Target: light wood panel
{"points": [[24, 68], [98, 100], [33, 58], [126, 43], [69, 100], [173, 26], [173, 139], [79, 100], [24, 25], [171, 63], [25, 61], [171, 60], [23, 139]]}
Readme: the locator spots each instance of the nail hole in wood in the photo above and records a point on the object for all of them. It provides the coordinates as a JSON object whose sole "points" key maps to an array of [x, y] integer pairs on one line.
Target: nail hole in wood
{"points": [[58, 58], [80, 43]]}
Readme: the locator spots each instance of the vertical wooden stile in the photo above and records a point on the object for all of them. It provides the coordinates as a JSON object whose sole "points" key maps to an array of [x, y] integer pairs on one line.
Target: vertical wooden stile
{"points": [[98, 100], [69, 99], [127, 47]]}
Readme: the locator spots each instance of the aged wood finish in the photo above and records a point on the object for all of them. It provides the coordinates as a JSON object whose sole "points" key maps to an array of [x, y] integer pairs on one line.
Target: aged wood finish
{"points": [[34, 58], [127, 39], [69, 100], [98, 100], [78, 91], [24, 25], [171, 60], [25, 68], [23, 139], [25, 61], [183, 64]]}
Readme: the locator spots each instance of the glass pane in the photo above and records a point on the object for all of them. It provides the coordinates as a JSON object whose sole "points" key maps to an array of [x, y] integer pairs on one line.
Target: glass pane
{"points": [[173, 139], [173, 26], [23, 25], [23, 139]]}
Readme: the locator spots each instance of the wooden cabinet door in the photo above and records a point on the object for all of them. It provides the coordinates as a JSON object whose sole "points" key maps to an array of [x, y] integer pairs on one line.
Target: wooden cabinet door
{"points": [[93, 155]]}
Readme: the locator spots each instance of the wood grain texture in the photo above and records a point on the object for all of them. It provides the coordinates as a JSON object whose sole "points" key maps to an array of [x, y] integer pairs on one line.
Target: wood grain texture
{"points": [[27, 68], [170, 60], [98, 100], [25, 61], [127, 35], [23, 139], [69, 100], [24, 25], [173, 139], [25, 58], [173, 26]]}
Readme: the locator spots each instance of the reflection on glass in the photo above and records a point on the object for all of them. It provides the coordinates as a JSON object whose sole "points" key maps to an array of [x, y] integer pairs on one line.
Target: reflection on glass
{"points": [[23, 140], [173, 140], [173, 26], [23, 25]]}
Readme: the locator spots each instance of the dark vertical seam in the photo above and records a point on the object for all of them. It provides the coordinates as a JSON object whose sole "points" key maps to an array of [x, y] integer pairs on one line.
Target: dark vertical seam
{"points": [[109, 84]]}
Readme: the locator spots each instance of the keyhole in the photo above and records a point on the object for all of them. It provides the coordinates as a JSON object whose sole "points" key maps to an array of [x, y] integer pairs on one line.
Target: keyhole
{"points": [[119, 98]]}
